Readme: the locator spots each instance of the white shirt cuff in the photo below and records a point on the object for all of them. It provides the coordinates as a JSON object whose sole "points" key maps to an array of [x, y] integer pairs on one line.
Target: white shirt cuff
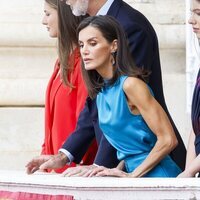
{"points": [[68, 154]]}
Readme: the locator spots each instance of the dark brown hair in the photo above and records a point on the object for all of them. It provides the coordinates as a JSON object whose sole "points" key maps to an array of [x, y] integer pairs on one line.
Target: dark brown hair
{"points": [[111, 30]]}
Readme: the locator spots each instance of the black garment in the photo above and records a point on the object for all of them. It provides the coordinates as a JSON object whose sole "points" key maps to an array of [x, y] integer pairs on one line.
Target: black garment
{"points": [[195, 114]]}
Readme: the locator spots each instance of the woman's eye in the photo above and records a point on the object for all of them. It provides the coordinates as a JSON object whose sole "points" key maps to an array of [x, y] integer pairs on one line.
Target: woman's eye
{"points": [[80, 45], [47, 14], [93, 43], [194, 13]]}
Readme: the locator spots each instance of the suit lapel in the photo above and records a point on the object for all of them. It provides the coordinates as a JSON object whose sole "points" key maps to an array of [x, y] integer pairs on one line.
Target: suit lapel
{"points": [[48, 94], [48, 117], [56, 83]]}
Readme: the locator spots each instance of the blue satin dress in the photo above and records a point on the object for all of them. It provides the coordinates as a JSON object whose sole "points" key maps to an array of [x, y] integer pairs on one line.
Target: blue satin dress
{"points": [[129, 133]]}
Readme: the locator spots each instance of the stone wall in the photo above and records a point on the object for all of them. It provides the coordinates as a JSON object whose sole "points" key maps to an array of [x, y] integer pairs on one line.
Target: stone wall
{"points": [[27, 57]]}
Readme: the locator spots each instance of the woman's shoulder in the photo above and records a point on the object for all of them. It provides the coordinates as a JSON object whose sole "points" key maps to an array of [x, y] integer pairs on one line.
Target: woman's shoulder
{"points": [[136, 86], [131, 82]]}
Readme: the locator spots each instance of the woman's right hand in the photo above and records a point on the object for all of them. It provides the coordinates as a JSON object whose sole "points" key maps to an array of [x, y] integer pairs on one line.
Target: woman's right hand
{"points": [[185, 174]]}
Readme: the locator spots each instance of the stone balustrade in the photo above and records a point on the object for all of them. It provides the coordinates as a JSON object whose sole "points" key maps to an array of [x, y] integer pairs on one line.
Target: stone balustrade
{"points": [[101, 188]]}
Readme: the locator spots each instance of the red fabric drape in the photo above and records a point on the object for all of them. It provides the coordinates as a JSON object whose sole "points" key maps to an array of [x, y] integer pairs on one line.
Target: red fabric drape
{"points": [[5, 195]]}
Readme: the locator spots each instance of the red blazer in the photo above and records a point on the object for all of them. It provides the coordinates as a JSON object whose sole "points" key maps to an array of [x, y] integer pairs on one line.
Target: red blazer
{"points": [[62, 107]]}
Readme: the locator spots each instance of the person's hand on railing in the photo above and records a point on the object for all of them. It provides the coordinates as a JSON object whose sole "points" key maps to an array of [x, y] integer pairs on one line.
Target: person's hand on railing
{"points": [[82, 170], [103, 171], [45, 162]]}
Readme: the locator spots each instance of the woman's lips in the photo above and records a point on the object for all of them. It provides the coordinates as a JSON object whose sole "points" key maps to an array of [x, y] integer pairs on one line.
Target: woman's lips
{"points": [[86, 60], [195, 30]]}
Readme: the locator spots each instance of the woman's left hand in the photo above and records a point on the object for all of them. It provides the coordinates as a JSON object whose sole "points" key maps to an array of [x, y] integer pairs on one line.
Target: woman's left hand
{"points": [[103, 171]]}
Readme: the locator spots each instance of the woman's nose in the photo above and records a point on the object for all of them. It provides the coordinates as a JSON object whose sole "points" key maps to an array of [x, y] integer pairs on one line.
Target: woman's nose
{"points": [[44, 21], [85, 50], [191, 19]]}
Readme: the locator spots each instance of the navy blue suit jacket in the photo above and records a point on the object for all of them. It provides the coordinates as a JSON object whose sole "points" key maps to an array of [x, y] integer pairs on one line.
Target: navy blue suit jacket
{"points": [[143, 45]]}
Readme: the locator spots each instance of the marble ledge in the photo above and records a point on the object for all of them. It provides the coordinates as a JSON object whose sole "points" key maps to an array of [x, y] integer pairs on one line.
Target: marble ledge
{"points": [[101, 188]]}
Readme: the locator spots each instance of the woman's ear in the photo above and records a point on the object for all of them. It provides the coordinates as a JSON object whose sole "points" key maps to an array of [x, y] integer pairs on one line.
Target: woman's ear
{"points": [[114, 46]]}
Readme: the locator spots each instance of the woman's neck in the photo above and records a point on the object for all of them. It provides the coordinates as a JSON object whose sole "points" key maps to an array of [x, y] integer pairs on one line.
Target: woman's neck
{"points": [[106, 74]]}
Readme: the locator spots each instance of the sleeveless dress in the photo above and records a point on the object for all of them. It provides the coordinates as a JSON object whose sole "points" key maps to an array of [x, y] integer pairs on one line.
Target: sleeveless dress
{"points": [[129, 133]]}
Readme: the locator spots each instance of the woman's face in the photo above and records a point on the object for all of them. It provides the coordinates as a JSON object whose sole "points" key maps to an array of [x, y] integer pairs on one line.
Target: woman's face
{"points": [[195, 17], [50, 20], [96, 51]]}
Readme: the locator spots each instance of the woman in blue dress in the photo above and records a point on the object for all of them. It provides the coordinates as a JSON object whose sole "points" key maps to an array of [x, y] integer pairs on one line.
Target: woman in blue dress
{"points": [[129, 116], [193, 151]]}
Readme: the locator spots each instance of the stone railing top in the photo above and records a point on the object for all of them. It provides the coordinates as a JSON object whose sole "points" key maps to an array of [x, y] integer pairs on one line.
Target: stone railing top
{"points": [[101, 187], [53, 179]]}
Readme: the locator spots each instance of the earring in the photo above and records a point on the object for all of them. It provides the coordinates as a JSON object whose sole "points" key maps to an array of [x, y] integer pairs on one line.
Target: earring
{"points": [[113, 58]]}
